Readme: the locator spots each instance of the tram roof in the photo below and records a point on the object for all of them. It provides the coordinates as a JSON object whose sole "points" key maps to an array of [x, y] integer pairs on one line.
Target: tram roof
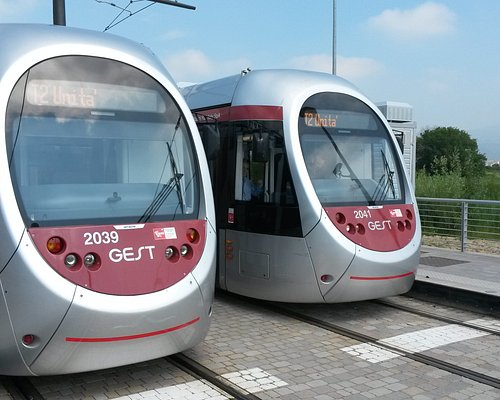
{"points": [[40, 41], [260, 87]]}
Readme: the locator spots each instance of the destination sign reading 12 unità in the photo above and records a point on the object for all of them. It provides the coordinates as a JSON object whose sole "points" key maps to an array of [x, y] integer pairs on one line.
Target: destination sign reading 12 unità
{"points": [[92, 95], [316, 119]]}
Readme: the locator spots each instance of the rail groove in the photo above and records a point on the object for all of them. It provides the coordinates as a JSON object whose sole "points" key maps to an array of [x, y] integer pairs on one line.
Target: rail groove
{"points": [[421, 358], [20, 388], [192, 367]]}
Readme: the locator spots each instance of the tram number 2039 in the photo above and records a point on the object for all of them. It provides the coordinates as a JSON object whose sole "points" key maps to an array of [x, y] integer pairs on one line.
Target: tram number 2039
{"points": [[96, 238]]}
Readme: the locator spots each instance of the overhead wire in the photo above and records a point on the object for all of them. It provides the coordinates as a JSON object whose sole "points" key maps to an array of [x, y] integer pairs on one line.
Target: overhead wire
{"points": [[124, 10]]}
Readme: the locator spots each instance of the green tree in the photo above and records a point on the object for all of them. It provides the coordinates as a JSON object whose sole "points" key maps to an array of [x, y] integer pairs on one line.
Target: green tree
{"points": [[443, 151]]}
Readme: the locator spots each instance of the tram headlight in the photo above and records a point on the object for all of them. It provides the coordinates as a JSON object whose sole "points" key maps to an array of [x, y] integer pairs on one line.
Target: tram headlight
{"points": [[169, 252], [92, 261], [89, 260], [360, 228], [70, 260], [184, 250]]}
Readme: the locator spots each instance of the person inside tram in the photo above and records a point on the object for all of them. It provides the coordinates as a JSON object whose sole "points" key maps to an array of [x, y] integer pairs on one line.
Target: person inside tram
{"points": [[247, 183], [258, 190], [319, 163]]}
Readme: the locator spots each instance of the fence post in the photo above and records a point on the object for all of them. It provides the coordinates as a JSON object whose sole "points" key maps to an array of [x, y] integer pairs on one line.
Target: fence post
{"points": [[463, 231]]}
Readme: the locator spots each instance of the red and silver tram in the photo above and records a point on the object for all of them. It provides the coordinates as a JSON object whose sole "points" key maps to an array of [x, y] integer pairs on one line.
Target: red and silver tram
{"points": [[107, 226], [312, 200]]}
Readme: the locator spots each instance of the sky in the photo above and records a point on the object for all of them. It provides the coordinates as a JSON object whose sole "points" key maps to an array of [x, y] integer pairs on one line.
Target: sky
{"points": [[442, 56]]}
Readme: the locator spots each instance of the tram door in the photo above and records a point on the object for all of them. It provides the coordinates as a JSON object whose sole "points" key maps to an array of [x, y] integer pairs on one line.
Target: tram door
{"points": [[263, 206], [247, 256], [255, 200]]}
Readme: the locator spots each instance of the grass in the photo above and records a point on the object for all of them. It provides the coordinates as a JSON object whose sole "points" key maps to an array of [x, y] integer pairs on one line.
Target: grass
{"points": [[454, 186], [445, 218]]}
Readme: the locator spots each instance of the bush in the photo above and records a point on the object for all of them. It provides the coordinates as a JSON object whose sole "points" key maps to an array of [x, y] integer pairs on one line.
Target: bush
{"points": [[440, 186], [455, 186]]}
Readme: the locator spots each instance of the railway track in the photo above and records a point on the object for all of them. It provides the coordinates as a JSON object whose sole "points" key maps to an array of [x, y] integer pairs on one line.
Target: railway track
{"points": [[20, 388], [438, 317], [199, 371], [287, 310], [432, 361]]}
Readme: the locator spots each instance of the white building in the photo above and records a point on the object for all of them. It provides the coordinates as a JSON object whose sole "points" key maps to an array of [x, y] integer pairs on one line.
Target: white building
{"points": [[400, 117]]}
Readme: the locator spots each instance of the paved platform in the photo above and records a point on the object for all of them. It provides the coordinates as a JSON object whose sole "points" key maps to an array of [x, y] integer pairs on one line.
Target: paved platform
{"points": [[472, 272]]}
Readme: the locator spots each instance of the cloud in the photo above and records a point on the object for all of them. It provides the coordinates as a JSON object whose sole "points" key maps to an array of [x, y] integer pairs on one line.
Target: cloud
{"points": [[194, 66], [173, 35], [358, 68], [313, 62], [351, 68], [425, 21], [9, 8]]}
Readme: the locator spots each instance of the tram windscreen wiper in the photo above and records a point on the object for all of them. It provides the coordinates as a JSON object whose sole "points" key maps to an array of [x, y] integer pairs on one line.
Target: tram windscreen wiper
{"points": [[386, 181], [173, 183], [160, 197], [177, 178], [352, 174]]}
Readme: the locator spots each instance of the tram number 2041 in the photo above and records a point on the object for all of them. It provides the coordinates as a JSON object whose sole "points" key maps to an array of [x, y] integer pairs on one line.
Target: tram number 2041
{"points": [[360, 214], [93, 238]]}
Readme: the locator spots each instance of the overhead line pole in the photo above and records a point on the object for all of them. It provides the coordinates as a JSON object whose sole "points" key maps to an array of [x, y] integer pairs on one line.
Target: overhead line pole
{"points": [[59, 12], [334, 39]]}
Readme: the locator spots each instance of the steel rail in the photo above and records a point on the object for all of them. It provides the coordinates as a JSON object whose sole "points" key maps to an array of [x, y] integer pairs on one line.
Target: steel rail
{"points": [[437, 317], [361, 337], [20, 388], [421, 358], [194, 368]]}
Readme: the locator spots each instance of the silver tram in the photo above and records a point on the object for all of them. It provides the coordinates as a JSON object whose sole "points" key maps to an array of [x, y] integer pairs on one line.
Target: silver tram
{"points": [[312, 200], [107, 226]]}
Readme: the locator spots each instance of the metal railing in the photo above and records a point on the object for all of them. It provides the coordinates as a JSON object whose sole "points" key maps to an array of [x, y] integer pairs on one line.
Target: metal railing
{"points": [[466, 221]]}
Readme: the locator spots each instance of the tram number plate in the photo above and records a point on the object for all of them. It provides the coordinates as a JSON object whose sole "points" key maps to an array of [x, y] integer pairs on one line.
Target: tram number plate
{"points": [[360, 214], [96, 238]]}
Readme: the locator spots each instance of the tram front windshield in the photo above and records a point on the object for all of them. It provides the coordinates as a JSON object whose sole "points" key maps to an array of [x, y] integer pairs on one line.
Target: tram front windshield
{"points": [[349, 154], [94, 141]]}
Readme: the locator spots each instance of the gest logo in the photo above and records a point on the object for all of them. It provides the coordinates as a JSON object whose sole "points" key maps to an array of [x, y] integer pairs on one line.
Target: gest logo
{"points": [[380, 225], [130, 254]]}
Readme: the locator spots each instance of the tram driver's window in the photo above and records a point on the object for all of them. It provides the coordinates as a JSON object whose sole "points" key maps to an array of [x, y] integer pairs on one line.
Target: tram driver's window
{"points": [[252, 181], [262, 171], [250, 173]]}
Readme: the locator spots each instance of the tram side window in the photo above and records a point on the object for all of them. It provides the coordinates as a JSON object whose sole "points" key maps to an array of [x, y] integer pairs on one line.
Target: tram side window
{"points": [[250, 174], [262, 171]]}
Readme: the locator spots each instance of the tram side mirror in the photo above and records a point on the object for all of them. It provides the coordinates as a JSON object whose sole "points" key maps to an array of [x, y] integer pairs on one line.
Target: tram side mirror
{"points": [[210, 137], [260, 147], [400, 139]]}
